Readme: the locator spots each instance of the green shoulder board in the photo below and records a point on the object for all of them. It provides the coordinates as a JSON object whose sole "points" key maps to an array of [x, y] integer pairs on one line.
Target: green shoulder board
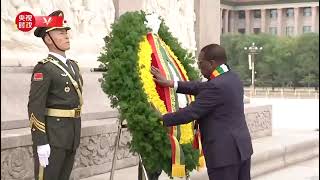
{"points": [[44, 61]]}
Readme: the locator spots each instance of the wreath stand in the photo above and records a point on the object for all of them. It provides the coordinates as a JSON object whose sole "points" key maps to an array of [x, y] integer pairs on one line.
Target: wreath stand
{"points": [[121, 126]]}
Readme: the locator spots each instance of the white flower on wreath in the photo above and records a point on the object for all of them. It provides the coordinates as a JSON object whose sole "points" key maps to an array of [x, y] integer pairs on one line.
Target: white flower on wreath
{"points": [[153, 22]]}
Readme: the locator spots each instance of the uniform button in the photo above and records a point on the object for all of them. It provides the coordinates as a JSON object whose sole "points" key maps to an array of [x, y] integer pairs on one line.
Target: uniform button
{"points": [[33, 129], [67, 82], [58, 119]]}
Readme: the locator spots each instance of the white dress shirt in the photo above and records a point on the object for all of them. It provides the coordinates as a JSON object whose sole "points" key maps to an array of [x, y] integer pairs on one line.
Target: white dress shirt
{"points": [[182, 99], [61, 58]]}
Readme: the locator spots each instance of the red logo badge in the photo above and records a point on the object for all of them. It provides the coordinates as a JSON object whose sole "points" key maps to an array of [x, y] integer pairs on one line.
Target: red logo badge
{"points": [[38, 77], [25, 21]]}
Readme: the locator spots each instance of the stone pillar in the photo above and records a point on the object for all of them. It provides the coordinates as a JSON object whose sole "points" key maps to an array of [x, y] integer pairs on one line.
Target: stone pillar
{"points": [[208, 16], [279, 21], [297, 26], [314, 19], [226, 21], [232, 17], [122, 6], [248, 26], [221, 20], [116, 9], [263, 21]]}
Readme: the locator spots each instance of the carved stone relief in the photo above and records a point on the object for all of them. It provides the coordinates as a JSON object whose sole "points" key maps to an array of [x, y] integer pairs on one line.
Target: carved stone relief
{"points": [[17, 163]]}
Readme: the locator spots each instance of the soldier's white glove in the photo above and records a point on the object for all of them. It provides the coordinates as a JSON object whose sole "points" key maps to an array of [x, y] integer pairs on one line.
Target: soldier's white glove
{"points": [[43, 154]]}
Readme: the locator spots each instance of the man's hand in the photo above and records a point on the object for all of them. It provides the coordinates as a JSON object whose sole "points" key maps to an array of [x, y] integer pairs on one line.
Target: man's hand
{"points": [[160, 79], [43, 154]]}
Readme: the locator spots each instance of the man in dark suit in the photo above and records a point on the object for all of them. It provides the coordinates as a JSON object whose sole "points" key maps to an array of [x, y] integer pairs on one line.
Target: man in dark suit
{"points": [[54, 106], [219, 110]]}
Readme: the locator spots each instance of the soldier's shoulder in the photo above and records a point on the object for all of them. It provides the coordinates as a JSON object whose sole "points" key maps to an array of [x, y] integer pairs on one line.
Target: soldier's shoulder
{"points": [[46, 60], [42, 64]]}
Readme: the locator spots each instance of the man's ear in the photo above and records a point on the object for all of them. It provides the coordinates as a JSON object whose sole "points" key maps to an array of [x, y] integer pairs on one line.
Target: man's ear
{"points": [[46, 39], [213, 64]]}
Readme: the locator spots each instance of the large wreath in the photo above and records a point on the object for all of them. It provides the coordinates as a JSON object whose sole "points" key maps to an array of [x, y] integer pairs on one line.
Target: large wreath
{"points": [[131, 89]]}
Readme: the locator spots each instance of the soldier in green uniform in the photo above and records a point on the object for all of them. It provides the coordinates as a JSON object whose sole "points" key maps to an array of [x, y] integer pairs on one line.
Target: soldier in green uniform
{"points": [[54, 106]]}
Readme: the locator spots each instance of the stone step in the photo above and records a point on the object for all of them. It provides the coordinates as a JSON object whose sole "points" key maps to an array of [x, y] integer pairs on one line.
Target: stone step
{"points": [[283, 149], [306, 170]]}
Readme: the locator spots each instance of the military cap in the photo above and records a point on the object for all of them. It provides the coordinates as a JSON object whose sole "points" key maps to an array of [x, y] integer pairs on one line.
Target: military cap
{"points": [[41, 31]]}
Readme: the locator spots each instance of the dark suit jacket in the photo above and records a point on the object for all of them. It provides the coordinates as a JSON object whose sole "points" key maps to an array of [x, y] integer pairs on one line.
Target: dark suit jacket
{"points": [[219, 110]]}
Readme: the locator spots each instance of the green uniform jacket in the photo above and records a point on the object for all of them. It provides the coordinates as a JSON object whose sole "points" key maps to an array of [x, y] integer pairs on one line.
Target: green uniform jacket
{"points": [[51, 88]]}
